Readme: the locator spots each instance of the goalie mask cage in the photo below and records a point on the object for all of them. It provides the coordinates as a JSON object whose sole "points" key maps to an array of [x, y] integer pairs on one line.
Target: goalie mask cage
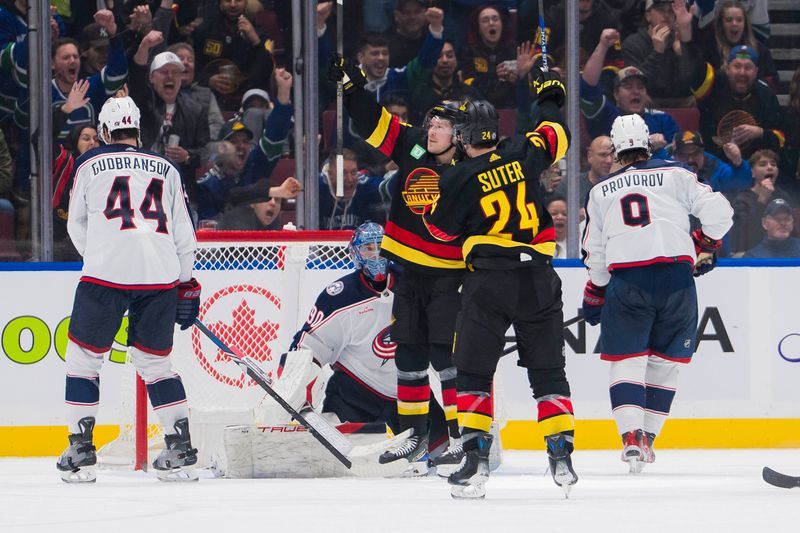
{"points": [[258, 288]]}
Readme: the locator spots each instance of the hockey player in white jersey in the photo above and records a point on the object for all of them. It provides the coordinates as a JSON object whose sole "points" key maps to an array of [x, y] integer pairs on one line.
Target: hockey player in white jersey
{"points": [[129, 220], [348, 329], [641, 259]]}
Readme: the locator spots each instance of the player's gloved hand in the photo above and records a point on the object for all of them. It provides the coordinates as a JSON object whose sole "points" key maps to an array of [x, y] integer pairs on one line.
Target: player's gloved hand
{"points": [[188, 303], [548, 85], [593, 299], [346, 71], [705, 248]]}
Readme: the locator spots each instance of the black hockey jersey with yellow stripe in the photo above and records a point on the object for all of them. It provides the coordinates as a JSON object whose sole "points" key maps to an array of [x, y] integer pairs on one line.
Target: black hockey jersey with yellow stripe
{"points": [[494, 202], [406, 240]]}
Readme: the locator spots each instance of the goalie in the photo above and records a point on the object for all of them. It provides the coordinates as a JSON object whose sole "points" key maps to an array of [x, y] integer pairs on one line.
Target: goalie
{"points": [[348, 329]]}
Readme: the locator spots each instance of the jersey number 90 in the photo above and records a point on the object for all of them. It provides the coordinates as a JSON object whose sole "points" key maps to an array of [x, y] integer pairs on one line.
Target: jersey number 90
{"points": [[118, 204]]}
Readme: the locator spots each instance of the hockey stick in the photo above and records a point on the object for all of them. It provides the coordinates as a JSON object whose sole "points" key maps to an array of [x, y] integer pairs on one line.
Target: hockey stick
{"points": [[568, 323], [327, 435], [543, 36], [780, 480], [339, 104]]}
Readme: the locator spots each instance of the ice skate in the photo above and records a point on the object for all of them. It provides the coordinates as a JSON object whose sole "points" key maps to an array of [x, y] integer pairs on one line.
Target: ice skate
{"points": [[414, 450], [632, 452], [449, 461], [559, 455], [648, 454], [176, 461], [78, 463], [469, 481]]}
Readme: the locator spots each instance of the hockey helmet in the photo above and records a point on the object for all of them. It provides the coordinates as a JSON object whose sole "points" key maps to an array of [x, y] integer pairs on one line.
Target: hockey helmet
{"points": [[117, 114], [630, 132], [478, 123], [365, 250], [446, 109]]}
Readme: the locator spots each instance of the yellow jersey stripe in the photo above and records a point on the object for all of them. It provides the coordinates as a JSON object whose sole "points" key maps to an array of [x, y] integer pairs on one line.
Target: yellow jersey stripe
{"points": [[544, 248], [418, 257], [561, 136], [412, 408], [379, 133]]}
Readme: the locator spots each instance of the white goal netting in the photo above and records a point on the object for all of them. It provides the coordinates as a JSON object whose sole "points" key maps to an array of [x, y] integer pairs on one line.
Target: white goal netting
{"points": [[257, 289]]}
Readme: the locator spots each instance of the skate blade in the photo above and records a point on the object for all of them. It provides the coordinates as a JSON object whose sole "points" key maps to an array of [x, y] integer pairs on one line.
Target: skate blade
{"points": [[416, 469], [635, 466], [177, 475], [85, 474], [564, 479], [476, 491]]}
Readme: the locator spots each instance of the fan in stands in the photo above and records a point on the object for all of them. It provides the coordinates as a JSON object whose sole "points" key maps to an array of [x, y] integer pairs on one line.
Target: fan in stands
{"points": [[347, 329]]}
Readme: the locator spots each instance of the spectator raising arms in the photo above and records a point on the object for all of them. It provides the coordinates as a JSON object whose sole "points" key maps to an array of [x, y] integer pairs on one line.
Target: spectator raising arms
{"points": [[487, 62]]}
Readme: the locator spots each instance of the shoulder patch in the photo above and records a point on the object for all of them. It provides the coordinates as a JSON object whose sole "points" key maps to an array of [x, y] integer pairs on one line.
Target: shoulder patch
{"points": [[335, 288], [417, 152]]}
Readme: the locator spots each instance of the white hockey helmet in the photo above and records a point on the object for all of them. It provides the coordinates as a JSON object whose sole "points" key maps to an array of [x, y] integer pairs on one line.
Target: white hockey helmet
{"points": [[630, 132], [117, 114]]}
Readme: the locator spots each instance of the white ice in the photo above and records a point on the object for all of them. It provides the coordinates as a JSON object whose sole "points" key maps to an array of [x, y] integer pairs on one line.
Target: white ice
{"points": [[683, 492]]}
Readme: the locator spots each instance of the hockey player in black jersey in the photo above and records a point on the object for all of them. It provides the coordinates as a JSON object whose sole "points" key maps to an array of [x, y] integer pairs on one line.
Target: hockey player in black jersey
{"points": [[426, 296], [492, 204]]}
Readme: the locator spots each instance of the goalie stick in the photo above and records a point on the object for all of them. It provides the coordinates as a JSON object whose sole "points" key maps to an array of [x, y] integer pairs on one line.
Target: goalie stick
{"points": [[780, 480], [567, 324], [327, 435]]}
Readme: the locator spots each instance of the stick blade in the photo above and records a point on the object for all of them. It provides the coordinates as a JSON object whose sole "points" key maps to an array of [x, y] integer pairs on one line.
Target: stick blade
{"points": [[779, 480]]}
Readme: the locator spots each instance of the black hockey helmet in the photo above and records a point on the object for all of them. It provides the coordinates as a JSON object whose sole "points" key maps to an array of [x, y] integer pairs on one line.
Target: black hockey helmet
{"points": [[478, 124], [446, 109]]}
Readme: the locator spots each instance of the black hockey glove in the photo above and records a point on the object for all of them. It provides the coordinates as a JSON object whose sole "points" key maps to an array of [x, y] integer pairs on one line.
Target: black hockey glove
{"points": [[188, 303], [548, 85], [705, 248], [346, 71], [593, 299]]}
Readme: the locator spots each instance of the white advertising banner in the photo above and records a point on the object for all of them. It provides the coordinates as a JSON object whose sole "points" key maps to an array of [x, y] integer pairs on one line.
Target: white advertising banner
{"points": [[746, 365]]}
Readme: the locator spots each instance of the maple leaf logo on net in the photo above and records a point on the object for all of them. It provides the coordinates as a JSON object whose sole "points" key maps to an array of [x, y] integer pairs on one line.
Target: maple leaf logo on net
{"points": [[240, 316]]}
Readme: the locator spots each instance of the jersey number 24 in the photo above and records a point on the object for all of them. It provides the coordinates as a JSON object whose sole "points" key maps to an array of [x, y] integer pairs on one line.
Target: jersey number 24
{"points": [[118, 204], [498, 204]]}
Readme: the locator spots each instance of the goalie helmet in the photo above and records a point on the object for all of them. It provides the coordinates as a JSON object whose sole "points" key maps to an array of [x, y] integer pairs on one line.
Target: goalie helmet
{"points": [[478, 123], [117, 114], [630, 132], [365, 250]]}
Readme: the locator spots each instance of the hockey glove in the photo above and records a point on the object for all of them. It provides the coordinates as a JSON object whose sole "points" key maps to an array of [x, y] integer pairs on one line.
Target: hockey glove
{"points": [[547, 85], [705, 248], [346, 71], [188, 303], [593, 299]]}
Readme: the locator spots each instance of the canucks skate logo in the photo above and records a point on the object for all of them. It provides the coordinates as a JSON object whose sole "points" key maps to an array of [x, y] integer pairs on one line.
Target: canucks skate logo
{"points": [[422, 188], [382, 345]]}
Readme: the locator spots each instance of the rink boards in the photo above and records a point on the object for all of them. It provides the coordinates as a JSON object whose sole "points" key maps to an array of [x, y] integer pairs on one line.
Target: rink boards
{"points": [[740, 391]]}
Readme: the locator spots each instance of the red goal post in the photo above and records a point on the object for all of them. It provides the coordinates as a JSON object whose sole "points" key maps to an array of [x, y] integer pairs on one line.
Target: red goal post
{"points": [[257, 290]]}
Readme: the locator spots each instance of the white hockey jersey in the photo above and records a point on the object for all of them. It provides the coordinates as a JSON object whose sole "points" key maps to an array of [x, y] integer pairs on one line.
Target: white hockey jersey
{"points": [[348, 328], [129, 220], [640, 216]]}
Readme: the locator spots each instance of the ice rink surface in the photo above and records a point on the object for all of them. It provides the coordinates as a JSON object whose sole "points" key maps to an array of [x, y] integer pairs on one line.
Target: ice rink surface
{"points": [[683, 492]]}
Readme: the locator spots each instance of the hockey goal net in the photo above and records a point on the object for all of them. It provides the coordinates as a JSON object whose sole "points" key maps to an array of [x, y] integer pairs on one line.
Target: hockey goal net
{"points": [[257, 290]]}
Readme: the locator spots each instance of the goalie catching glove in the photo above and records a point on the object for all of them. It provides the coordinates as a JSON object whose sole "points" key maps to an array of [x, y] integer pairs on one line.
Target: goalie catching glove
{"points": [[346, 71], [188, 303], [593, 299], [705, 248]]}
